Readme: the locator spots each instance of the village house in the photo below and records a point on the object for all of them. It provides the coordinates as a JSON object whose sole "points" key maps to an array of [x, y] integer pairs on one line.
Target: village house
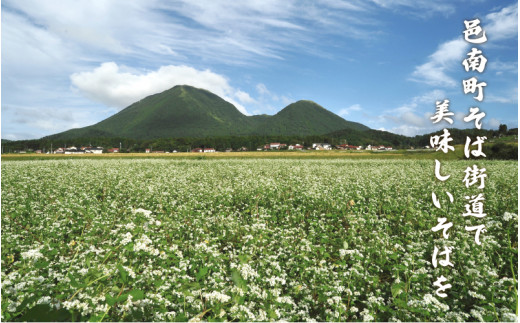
{"points": [[113, 150], [209, 150], [349, 147], [321, 146], [197, 150], [73, 151], [93, 150], [276, 145], [295, 147]]}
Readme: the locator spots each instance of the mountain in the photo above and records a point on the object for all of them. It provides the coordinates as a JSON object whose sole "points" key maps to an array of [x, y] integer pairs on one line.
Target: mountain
{"points": [[305, 118], [185, 111]]}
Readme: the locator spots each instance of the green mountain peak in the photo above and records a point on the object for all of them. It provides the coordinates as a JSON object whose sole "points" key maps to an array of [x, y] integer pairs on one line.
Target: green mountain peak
{"points": [[187, 111]]}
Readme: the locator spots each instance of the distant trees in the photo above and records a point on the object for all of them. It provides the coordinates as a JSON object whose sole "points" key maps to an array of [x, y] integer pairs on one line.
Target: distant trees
{"points": [[252, 142], [502, 129]]}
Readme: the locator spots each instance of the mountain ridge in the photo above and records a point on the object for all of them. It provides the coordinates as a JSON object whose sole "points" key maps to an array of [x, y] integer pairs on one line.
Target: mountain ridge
{"points": [[186, 111]]}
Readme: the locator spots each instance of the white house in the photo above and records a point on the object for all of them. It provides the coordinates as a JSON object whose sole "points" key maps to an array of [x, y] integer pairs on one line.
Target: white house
{"points": [[209, 150], [73, 151], [93, 150], [295, 147], [321, 146]]}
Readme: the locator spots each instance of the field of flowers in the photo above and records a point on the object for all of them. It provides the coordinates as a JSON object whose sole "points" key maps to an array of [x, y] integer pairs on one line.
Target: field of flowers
{"points": [[252, 240]]}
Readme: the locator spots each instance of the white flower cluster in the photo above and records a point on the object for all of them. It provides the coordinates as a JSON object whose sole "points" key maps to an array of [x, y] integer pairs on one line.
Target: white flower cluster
{"points": [[273, 280], [147, 214], [300, 263], [126, 239], [32, 254], [145, 244], [508, 216], [343, 252], [247, 271], [217, 296]]}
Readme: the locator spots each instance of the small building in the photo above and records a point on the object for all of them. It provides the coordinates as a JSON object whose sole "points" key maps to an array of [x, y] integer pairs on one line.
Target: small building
{"points": [[209, 150], [147, 150], [242, 148], [321, 146], [274, 145], [59, 151], [197, 150], [113, 150], [38, 151], [93, 150], [73, 151], [295, 147]]}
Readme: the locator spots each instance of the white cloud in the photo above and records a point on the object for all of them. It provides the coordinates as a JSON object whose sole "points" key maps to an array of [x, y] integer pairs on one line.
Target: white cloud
{"points": [[434, 71], [499, 25], [413, 118], [346, 111], [502, 24], [40, 120], [420, 8], [244, 97], [427, 99], [262, 89], [499, 67], [507, 98], [110, 85], [267, 100]]}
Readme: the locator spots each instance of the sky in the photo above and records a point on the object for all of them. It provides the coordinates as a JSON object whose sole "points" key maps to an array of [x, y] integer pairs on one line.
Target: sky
{"points": [[383, 63]]}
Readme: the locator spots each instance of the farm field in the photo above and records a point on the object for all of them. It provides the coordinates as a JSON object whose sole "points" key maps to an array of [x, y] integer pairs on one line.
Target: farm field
{"points": [[276, 154], [116, 239]]}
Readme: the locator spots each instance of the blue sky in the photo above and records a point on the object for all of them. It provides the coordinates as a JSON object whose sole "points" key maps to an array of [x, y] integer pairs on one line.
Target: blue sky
{"points": [[383, 63]]}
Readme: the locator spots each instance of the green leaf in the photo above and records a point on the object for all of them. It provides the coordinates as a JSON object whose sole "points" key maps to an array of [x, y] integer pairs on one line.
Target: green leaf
{"points": [[111, 301], [202, 273], [137, 294], [44, 313], [41, 264], [400, 303], [122, 298], [73, 281], [238, 280], [130, 246], [96, 318], [123, 273], [397, 289]]}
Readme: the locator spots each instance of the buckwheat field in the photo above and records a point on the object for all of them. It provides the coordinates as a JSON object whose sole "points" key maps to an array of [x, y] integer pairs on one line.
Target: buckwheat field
{"points": [[253, 240]]}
